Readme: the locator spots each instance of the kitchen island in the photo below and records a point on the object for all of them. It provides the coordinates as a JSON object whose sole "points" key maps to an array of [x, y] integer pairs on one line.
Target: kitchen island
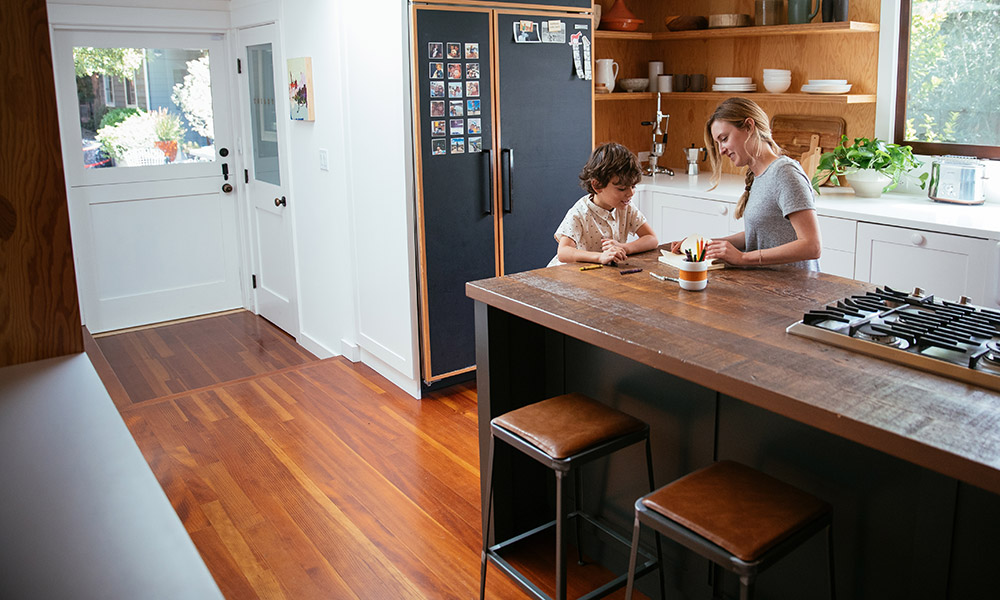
{"points": [[910, 460]]}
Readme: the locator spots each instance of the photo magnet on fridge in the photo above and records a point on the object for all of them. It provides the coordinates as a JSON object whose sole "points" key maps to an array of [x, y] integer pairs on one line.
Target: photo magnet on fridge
{"points": [[472, 107], [475, 144], [437, 108], [456, 127], [553, 32], [472, 70], [475, 126], [455, 89], [458, 145], [526, 32], [455, 108], [437, 89], [454, 50], [472, 89], [435, 49], [437, 70], [439, 146], [471, 50], [438, 128], [454, 70]]}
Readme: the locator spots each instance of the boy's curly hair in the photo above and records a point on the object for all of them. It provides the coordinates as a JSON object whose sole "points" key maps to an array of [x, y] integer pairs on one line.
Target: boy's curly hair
{"points": [[609, 161]]}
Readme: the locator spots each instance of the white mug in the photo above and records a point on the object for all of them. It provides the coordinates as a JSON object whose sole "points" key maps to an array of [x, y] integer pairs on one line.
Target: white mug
{"points": [[655, 69], [606, 73], [666, 83]]}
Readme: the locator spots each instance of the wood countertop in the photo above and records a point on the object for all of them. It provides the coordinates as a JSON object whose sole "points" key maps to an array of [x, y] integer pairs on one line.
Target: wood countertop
{"points": [[731, 338]]}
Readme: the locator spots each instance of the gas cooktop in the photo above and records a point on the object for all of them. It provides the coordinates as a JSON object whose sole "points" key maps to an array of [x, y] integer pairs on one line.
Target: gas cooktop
{"points": [[954, 339]]}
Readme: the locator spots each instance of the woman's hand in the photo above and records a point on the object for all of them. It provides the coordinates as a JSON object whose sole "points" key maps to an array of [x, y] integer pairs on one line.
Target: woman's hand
{"points": [[725, 250], [675, 247]]}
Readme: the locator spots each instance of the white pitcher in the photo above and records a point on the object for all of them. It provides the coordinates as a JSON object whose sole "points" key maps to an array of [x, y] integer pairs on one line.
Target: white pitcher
{"points": [[607, 72]]}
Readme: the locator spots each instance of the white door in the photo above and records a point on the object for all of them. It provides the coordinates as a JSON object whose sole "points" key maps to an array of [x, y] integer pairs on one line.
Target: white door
{"points": [[263, 118], [154, 231]]}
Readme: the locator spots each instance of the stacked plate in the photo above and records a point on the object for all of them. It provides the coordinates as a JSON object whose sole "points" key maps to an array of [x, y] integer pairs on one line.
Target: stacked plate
{"points": [[734, 84], [777, 80], [827, 86]]}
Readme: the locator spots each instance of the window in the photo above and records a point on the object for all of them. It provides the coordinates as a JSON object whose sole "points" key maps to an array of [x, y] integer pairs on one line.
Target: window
{"points": [[109, 91], [175, 123], [947, 90]]}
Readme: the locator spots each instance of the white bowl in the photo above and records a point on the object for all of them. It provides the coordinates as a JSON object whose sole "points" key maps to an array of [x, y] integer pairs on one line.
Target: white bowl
{"points": [[634, 84], [868, 183], [776, 87], [777, 72], [777, 79], [827, 82]]}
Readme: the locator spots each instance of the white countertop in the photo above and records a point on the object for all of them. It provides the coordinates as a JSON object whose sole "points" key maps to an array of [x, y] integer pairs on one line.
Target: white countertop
{"points": [[895, 208]]}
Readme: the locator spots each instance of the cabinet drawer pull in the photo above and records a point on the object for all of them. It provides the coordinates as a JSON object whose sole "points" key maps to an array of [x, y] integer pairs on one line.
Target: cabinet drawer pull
{"points": [[723, 209], [917, 240]]}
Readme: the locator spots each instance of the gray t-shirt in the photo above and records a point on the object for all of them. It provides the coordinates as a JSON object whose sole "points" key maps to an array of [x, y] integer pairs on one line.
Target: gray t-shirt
{"points": [[779, 191]]}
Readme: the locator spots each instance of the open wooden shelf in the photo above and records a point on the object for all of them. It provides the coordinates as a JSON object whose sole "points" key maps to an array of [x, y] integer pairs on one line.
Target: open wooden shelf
{"points": [[755, 96], [737, 32]]}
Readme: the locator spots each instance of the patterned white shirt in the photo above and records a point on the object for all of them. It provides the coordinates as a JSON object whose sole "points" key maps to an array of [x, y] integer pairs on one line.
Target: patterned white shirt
{"points": [[587, 224]]}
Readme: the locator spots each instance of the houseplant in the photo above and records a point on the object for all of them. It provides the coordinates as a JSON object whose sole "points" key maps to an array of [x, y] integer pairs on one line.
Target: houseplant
{"points": [[869, 166], [169, 132]]}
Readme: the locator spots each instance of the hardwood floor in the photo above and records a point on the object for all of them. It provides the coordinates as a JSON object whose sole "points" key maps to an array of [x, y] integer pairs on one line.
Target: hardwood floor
{"points": [[318, 479]]}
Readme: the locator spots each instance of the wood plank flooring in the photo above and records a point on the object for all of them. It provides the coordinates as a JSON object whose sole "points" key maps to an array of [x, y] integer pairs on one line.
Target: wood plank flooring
{"points": [[318, 479]]}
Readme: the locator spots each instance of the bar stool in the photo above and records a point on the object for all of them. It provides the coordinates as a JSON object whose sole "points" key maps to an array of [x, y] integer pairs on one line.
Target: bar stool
{"points": [[563, 433], [740, 519]]}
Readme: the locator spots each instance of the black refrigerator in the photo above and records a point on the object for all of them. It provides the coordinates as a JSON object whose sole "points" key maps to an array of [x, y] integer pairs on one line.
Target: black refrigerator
{"points": [[502, 127]]}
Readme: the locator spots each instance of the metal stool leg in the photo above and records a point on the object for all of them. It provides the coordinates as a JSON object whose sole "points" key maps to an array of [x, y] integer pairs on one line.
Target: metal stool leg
{"points": [[829, 553], [632, 559], [746, 587], [560, 535], [486, 521], [577, 494], [659, 548]]}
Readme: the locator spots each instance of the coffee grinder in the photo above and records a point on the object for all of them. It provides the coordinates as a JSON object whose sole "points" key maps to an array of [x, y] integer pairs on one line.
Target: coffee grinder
{"points": [[659, 140]]}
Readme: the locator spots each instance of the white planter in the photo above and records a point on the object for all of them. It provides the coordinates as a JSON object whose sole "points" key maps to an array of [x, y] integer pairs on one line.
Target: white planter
{"points": [[868, 183]]}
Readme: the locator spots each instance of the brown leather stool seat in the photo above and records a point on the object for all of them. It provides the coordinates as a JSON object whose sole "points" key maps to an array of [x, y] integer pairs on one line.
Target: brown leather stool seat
{"points": [[563, 433], [737, 517]]}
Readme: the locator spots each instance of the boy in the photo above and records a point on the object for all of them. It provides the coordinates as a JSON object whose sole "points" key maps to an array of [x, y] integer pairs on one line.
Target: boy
{"points": [[597, 227]]}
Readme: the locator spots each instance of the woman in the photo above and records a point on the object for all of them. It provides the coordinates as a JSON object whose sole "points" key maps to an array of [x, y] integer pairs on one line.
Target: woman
{"points": [[781, 226]]}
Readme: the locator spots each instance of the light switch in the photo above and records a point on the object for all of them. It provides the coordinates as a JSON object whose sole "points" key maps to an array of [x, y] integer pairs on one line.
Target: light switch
{"points": [[324, 159]]}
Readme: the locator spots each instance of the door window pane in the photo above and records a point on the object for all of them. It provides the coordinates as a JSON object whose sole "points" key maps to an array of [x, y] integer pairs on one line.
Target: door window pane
{"points": [[951, 81], [168, 117], [263, 114]]}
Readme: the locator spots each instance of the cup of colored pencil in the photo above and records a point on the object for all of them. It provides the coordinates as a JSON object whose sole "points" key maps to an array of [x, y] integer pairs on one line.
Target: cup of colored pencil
{"points": [[694, 268]]}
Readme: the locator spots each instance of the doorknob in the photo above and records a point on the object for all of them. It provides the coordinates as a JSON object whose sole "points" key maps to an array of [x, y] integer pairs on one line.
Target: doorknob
{"points": [[227, 187], [280, 201]]}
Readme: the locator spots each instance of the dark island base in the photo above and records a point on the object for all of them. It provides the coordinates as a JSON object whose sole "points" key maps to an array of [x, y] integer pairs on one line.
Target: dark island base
{"points": [[900, 530]]}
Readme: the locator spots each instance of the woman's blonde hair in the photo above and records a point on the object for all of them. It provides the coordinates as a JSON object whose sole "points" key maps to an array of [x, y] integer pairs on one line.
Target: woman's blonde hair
{"points": [[742, 114]]}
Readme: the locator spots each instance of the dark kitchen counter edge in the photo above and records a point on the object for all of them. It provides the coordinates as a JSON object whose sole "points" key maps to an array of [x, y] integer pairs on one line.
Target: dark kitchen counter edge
{"points": [[941, 453]]}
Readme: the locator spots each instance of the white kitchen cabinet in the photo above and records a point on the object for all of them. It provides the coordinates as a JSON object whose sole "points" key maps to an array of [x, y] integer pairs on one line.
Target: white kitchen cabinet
{"points": [[839, 239], [674, 217], [947, 266]]}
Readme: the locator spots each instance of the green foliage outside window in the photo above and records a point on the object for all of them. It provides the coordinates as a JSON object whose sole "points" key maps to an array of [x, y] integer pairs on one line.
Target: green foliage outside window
{"points": [[952, 83]]}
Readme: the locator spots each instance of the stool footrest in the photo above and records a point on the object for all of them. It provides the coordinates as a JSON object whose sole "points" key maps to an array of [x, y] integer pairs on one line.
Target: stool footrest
{"points": [[493, 554]]}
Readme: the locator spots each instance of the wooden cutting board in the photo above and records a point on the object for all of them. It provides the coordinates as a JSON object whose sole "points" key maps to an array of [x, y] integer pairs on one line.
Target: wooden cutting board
{"points": [[794, 132]]}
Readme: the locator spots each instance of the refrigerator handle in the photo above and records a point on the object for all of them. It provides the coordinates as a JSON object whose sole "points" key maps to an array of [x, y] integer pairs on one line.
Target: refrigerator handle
{"points": [[508, 181], [488, 210]]}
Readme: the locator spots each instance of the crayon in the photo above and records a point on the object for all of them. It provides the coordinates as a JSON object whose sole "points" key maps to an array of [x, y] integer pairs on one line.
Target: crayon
{"points": [[627, 271], [588, 268]]}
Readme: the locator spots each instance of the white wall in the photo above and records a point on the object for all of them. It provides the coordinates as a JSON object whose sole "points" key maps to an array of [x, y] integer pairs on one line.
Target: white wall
{"points": [[353, 223]]}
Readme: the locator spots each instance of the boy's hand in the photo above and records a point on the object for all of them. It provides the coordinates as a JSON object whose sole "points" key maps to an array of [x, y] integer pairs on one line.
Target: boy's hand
{"points": [[609, 255], [619, 249]]}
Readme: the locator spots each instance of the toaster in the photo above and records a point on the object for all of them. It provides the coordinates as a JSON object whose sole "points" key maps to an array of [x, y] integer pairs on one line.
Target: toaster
{"points": [[957, 179]]}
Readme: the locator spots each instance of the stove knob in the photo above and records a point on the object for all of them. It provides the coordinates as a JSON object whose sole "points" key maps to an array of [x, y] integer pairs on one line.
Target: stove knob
{"points": [[965, 300], [917, 293]]}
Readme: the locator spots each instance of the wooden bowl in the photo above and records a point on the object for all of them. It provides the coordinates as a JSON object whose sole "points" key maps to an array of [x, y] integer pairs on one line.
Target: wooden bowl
{"points": [[729, 20], [621, 24], [686, 23]]}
